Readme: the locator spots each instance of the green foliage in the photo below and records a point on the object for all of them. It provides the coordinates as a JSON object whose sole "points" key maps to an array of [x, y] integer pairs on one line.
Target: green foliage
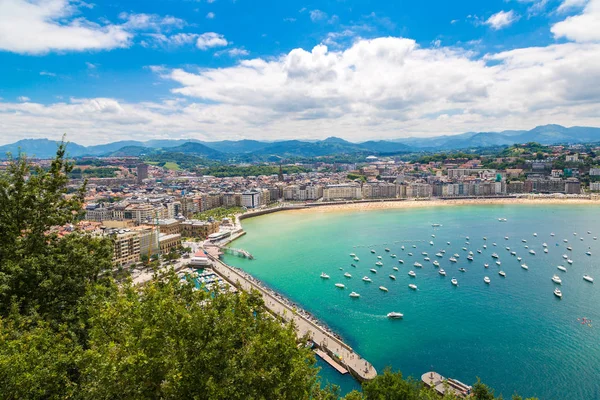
{"points": [[183, 161], [251, 170], [219, 213], [99, 172], [357, 177]]}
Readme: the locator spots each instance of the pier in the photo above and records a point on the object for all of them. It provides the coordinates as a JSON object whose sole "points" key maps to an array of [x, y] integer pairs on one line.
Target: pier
{"points": [[237, 252], [445, 385], [332, 349]]}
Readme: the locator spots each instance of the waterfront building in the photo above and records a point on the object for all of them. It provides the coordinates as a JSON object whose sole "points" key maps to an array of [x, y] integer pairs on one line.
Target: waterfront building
{"points": [[418, 190], [251, 198], [595, 186], [379, 190], [199, 229], [572, 186], [346, 191]]}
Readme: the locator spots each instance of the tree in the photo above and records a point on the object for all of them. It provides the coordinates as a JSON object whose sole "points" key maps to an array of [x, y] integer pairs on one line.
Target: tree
{"points": [[482, 391]]}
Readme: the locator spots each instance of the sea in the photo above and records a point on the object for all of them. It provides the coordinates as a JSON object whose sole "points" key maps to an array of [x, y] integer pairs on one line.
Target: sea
{"points": [[514, 333]]}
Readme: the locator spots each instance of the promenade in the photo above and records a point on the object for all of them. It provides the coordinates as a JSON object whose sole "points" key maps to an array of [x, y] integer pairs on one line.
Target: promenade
{"points": [[305, 324]]}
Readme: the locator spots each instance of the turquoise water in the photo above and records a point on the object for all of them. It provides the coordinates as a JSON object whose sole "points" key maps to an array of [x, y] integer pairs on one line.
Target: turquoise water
{"points": [[514, 333]]}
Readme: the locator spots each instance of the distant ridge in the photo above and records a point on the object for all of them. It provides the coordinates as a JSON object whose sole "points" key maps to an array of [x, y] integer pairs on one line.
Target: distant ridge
{"points": [[546, 134]]}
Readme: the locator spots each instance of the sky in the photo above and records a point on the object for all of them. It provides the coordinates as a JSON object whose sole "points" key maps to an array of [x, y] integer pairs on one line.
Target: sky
{"points": [[296, 69]]}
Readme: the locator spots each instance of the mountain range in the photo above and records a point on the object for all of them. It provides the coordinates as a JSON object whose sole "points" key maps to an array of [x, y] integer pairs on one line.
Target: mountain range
{"points": [[227, 149]]}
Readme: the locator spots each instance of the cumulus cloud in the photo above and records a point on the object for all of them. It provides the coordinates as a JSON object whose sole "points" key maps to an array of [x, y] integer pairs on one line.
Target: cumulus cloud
{"points": [[583, 27], [23, 98], [317, 15], [502, 19], [164, 40], [39, 27], [233, 52], [210, 39], [567, 5], [210, 15]]}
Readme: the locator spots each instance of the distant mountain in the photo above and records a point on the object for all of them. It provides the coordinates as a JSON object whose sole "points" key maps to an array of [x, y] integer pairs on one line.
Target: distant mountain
{"points": [[253, 149]]}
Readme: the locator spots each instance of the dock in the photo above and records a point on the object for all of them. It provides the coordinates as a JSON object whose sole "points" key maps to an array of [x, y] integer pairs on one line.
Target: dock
{"points": [[339, 355], [445, 385]]}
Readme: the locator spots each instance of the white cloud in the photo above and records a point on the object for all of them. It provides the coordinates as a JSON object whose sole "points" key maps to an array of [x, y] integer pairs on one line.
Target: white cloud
{"points": [[317, 15], [536, 6], [502, 19], [46, 73], [568, 5], [150, 22], [233, 52], [90, 65], [211, 39], [210, 15], [29, 27], [23, 98], [584, 27], [175, 40], [289, 19]]}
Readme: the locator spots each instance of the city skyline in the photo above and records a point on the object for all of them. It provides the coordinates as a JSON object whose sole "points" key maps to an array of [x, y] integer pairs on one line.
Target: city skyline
{"points": [[216, 70]]}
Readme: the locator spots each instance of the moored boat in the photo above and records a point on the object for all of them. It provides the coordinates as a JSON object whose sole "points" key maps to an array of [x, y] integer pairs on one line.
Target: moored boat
{"points": [[347, 275], [373, 270], [418, 265], [366, 279], [383, 288], [412, 274], [556, 279], [324, 275], [502, 274], [354, 295], [395, 315], [392, 277], [487, 280], [442, 272], [454, 281], [340, 285], [588, 278], [524, 266], [560, 267], [558, 293], [412, 286]]}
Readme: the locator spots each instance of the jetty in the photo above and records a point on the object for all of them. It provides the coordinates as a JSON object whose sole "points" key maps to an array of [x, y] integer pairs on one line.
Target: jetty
{"points": [[237, 252], [445, 385], [328, 346]]}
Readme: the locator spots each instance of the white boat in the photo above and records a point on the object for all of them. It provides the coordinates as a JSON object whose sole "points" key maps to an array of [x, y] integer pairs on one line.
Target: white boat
{"points": [[570, 261], [392, 277], [581, 239], [340, 285], [519, 258], [589, 253], [556, 279], [401, 261], [439, 255], [513, 253], [424, 253], [484, 238], [479, 251], [436, 225], [558, 293], [502, 274], [456, 255], [526, 246], [412, 274], [436, 263], [352, 255], [505, 237], [487, 280], [448, 243], [402, 247], [393, 256], [565, 256], [414, 246], [569, 248], [462, 269], [442, 272], [508, 249], [532, 252], [524, 266], [498, 263], [410, 254], [430, 243], [395, 268], [354, 295], [373, 270], [418, 265], [545, 244], [454, 281], [589, 232], [379, 257], [486, 265], [395, 315], [452, 259], [412, 286], [388, 250], [366, 279], [574, 233], [566, 241], [470, 253], [379, 263], [588, 278], [427, 259], [523, 240], [545, 250], [502, 219], [383, 288], [535, 234], [470, 258], [373, 251], [464, 249], [356, 259], [347, 275], [562, 268], [495, 255], [443, 251], [324, 275], [485, 246], [595, 238], [552, 234]]}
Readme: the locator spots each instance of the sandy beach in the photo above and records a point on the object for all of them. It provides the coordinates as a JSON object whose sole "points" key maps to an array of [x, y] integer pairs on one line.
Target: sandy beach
{"points": [[382, 205]]}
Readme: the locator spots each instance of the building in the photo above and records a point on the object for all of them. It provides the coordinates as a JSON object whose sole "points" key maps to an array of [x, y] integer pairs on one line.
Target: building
{"points": [[348, 191], [251, 199], [379, 190], [169, 226], [595, 186], [168, 243], [572, 186], [418, 190], [302, 192], [97, 213], [200, 259], [199, 229], [142, 173], [594, 171], [126, 248]]}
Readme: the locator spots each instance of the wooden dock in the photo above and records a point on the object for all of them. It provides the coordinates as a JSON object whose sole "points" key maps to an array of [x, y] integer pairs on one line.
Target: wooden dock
{"points": [[338, 367], [340, 353]]}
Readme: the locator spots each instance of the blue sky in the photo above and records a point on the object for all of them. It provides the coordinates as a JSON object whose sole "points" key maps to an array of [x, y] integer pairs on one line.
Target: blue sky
{"points": [[357, 69]]}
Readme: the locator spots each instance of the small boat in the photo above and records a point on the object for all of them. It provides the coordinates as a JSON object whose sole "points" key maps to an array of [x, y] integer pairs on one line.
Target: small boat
{"points": [[454, 281], [479, 251], [589, 253], [442, 272], [470, 253], [487, 280], [570, 261], [464, 249], [353, 265], [524, 266], [498, 263], [373, 251], [552, 234], [513, 253], [581, 239], [341, 269], [424, 253], [532, 252], [402, 247], [395, 268], [430, 243], [467, 238], [494, 244], [462, 269], [574, 233], [566, 241], [595, 238], [354, 295], [366, 279], [502, 219], [535, 234], [523, 240], [392, 277], [505, 237], [485, 246], [439, 255], [418, 265], [588, 278], [589, 232], [545, 250], [436, 225], [395, 315], [544, 244], [519, 258], [401, 261], [388, 250], [569, 248], [393, 256], [379, 263], [352, 255], [324, 275], [436, 263], [467, 243], [443, 251], [502, 274], [379, 257], [383, 288], [412, 286], [565, 256], [412, 274], [414, 246], [486, 265], [347, 275], [456, 255], [452, 259], [558, 293], [410, 254], [373, 270], [427, 259], [556, 279], [562, 268], [356, 259], [340, 285], [470, 258], [526, 246], [495, 255], [508, 249]]}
